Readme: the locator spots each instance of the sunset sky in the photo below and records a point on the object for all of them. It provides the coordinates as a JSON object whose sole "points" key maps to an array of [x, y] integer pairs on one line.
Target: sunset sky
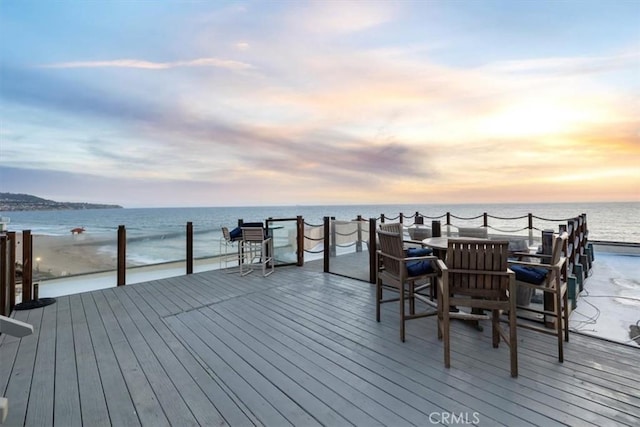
{"points": [[215, 103]]}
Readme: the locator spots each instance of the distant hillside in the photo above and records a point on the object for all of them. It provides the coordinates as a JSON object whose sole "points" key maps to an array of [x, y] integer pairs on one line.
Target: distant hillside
{"points": [[27, 202]]}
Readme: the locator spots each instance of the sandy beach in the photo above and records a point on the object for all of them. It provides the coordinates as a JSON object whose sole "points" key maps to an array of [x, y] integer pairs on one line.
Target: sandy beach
{"points": [[57, 256], [63, 256]]}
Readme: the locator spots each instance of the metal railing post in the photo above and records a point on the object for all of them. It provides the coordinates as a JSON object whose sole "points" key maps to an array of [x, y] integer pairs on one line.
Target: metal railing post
{"points": [[122, 255], [325, 242], [4, 276], [300, 240], [359, 239], [27, 271], [189, 248], [373, 247]]}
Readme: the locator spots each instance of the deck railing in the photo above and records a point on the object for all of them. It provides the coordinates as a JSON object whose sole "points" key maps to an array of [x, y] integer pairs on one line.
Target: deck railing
{"points": [[328, 240], [578, 252]]}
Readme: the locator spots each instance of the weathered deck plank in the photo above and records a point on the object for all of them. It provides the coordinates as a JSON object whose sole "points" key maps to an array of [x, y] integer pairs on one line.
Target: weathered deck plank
{"points": [[67, 410], [122, 410], [93, 401], [317, 377], [185, 386], [475, 347], [296, 348], [41, 396], [19, 384], [397, 366], [604, 395]]}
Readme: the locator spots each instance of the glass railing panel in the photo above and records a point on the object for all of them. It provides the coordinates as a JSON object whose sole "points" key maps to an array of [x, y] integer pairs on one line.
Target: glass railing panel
{"points": [[69, 264], [349, 249], [209, 249], [284, 234], [59, 256]]}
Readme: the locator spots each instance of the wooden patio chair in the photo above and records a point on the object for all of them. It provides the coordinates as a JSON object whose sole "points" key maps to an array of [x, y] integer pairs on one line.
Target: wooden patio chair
{"points": [[549, 276], [256, 249], [476, 275], [407, 276]]}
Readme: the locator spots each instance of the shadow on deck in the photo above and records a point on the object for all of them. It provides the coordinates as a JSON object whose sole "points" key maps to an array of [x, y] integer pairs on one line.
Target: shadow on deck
{"points": [[299, 347]]}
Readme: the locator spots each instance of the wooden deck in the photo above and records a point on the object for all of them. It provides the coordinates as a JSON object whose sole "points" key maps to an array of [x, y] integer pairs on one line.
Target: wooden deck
{"points": [[297, 348]]}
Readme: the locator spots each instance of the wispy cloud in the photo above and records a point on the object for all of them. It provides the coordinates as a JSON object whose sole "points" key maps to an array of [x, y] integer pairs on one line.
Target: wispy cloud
{"points": [[340, 17], [149, 65], [568, 65]]}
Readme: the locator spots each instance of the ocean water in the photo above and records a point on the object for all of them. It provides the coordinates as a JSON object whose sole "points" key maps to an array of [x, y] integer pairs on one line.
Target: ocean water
{"points": [[156, 235]]}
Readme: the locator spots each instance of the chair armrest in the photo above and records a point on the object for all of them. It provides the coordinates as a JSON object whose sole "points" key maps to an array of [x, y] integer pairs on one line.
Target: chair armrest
{"points": [[443, 278], [559, 264], [407, 259], [414, 242], [541, 256]]}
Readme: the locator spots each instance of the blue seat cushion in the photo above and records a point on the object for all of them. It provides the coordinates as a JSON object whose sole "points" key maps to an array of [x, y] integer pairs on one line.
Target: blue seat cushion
{"points": [[418, 268], [411, 252], [533, 275], [236, 233]]}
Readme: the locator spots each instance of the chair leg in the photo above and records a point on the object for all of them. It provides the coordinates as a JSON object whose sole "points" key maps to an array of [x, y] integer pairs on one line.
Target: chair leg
{"points": [[402, 312], [439, 322], [412, 299], [566, 316], [447, 349], [378, 298], [445, 327], [495, 327], [513, 340], [267, 258], [559, 327]]}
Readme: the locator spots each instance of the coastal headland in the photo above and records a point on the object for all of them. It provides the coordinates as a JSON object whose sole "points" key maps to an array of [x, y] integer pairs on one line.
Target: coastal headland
{"points": [[27, 202]]}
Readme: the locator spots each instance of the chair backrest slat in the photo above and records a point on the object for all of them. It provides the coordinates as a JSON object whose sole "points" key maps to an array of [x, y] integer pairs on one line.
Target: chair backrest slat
{"points": [[478, 266], [226, 234], [393, 227], [390, 237], [556, 254], [255, 234]]}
